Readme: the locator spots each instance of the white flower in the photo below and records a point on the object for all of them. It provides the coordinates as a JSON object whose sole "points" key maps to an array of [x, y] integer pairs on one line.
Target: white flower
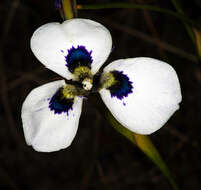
{"points": [[141, 93]]}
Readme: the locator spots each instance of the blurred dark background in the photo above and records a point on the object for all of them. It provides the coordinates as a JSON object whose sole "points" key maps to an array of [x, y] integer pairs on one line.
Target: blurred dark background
{"points": [[99, 157]]}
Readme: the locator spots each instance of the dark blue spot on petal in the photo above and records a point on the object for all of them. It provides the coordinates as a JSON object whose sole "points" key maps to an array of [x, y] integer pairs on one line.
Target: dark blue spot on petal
{"points": [[60, 104], [123, 87], [79, 56]]}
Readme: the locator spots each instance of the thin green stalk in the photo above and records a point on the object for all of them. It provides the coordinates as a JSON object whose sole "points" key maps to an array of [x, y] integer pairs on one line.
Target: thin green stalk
{"points": [[179, 9], [69, 9], [137, 6], [143, 142], [164, 45]]}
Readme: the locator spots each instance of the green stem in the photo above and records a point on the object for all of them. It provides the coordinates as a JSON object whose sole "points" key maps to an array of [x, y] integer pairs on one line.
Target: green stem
{"points": [[189, 29], [69, 9], [137, 6], [143, 142]]}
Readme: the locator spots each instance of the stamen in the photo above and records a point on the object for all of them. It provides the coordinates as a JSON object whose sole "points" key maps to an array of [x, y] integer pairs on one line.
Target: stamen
{"points": [[117, 83], [107, 80], [69, 91], [82, 72]]}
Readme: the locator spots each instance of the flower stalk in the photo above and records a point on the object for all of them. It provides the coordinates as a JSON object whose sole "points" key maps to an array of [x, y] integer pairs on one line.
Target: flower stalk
{"points": [[198, 40], [69, 9], [125, 5]]}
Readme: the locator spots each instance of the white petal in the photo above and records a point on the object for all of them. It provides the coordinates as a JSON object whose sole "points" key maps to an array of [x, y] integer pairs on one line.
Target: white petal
{"points": [[155, 97], [43, 129], [50, 43]]}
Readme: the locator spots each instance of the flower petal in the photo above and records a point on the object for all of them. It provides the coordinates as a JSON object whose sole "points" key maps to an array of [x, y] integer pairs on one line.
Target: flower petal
{"points": [[45, 128], [147, 97], [51, 44]]}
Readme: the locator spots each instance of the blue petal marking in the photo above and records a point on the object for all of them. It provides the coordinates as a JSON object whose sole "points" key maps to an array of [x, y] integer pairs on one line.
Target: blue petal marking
{"points": [[79, 56], [123, 87], [60, 104], [58, 4]]}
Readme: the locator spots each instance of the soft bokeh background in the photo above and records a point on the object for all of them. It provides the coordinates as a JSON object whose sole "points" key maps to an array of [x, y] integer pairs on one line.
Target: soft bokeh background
{"points": [[99, 157]]}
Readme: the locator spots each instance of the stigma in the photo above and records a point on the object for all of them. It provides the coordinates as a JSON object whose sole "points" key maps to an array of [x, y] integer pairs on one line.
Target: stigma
{"points": [[87, 84]]}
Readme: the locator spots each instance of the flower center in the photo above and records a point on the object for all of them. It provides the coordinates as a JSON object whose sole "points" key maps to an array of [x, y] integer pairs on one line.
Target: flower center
{"points": [[79, 63], [117, 83], [87, 84]]}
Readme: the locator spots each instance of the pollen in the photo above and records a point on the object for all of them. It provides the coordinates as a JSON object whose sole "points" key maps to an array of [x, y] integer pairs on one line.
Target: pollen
{"points": [[69, 91], [107, 80], [121, 86], [82, 72]]}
